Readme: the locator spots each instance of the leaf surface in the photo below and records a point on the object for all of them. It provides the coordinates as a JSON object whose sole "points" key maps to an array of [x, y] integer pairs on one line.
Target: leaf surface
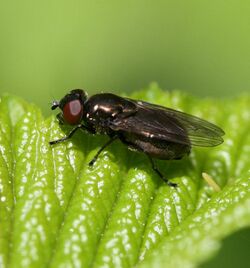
{"points": [[55, 211]]}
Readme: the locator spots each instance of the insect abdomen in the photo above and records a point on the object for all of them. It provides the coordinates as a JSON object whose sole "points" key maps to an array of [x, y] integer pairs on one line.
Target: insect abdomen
{"points": [[160, 149]]}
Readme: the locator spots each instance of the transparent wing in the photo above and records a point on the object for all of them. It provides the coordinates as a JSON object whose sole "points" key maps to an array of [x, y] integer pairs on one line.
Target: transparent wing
{"points": [[170, 125]]}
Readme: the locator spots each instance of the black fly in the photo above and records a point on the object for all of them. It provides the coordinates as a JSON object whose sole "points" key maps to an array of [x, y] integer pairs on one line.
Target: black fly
{"points": [[157, 131]]}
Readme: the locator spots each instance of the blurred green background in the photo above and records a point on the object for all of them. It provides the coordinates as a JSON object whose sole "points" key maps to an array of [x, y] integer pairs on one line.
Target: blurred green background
{"points": [[48, 47]]}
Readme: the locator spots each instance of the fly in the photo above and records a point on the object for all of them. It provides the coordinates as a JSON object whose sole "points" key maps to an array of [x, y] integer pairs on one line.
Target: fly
{"points": [[154, 130]]}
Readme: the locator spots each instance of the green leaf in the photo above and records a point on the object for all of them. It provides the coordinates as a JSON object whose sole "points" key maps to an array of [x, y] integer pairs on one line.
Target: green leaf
{"points": [[55, 211]]}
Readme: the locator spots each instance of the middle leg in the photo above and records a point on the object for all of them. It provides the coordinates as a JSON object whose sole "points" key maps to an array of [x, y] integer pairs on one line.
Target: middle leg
{"points": [[112, 139]]}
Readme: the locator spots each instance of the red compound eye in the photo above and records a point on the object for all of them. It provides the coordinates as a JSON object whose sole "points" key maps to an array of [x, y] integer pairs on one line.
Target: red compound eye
{"points": [[72, 112]]}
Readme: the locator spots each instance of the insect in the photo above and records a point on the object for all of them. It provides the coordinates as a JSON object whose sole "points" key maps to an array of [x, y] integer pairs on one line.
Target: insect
{"points": [[157, 131]]}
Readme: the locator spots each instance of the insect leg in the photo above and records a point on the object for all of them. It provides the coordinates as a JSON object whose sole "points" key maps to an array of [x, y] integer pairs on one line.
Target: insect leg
{"points": [[72, 132], [60, 119], [91, 163], [156, 170]]}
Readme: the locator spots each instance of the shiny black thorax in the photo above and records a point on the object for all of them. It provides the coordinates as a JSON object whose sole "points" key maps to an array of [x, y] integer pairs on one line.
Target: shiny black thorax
{"points": [[101, 110], [110, 114]]}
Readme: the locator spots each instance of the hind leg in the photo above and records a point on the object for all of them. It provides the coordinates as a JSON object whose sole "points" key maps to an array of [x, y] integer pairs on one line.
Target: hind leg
{"points": [[156, 170]]}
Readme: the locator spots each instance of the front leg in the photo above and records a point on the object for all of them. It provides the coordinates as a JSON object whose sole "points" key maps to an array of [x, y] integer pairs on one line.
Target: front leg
{"points": [[72, 132], [60, 119]]}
